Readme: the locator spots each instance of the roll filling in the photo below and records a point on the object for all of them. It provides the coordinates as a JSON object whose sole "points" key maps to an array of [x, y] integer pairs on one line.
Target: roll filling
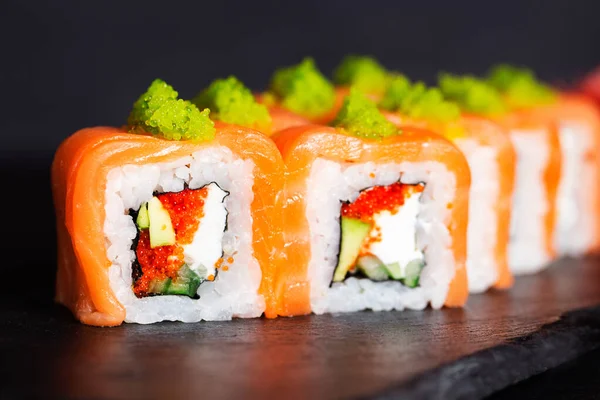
{"points": [[378, 235], [179, 240]]}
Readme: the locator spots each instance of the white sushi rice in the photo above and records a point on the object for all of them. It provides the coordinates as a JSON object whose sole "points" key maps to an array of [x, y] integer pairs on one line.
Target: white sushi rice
{"points": [[575, 229], [527, 252], [397, 234], [233, 293], [330, 183], [482, 231]]}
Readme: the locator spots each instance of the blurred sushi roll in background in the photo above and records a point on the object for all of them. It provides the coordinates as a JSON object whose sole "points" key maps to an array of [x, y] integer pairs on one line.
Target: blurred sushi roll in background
{"points": [[572, 224], [577, 223], [492, 160], [375, 216], [174, 218]]}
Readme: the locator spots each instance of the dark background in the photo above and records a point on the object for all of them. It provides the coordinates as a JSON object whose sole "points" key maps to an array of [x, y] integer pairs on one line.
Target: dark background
{"points": [[71, 64]]}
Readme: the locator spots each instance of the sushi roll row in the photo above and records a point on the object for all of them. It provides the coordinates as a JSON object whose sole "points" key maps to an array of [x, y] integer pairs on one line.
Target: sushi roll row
{"points": [[368, 191]]}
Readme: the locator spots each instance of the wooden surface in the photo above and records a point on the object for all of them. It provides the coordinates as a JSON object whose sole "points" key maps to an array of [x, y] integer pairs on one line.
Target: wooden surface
{"points": [[45, 353]]}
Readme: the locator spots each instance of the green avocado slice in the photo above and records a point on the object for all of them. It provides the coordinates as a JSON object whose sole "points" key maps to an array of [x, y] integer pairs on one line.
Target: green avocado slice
{"points": [[161, 228]]}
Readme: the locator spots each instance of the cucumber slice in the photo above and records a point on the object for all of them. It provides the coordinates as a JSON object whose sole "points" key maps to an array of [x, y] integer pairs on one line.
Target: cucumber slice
{"points": [[182, 288], [143, 221], [354, 232], [372, 267], [413, 273], [186, 283], [394, 270]]}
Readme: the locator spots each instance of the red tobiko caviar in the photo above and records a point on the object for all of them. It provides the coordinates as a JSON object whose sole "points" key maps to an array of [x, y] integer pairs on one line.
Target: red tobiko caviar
{"points": [[157, 263], [186, 210], [379, 198]]}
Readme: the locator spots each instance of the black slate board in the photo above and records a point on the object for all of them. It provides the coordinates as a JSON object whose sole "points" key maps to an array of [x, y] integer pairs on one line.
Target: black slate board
{"points": [[498, 339], [574, 380], [483, 373]]}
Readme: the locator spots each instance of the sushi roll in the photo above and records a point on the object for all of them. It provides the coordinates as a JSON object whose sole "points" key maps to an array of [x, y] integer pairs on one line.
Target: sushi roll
{"points": [[578, 123], [490, 155], [173, 218], [375, 216], [481, 104], [578, 209], [537, 174]]}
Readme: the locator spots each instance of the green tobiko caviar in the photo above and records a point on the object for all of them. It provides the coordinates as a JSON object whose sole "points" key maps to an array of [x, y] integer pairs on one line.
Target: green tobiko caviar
{"points": [[232, 102], [360, 117], [472, 94], [396, 93], [520, 87], [418, 102], [303, 89], [158, 111], [363, 73]]}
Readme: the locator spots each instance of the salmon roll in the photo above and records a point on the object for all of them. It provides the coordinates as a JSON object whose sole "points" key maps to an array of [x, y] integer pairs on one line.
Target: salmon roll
{"points": [[578, 125], [389, 229], [578, 209], [491, 159], [537, 147], [174, 217]]}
